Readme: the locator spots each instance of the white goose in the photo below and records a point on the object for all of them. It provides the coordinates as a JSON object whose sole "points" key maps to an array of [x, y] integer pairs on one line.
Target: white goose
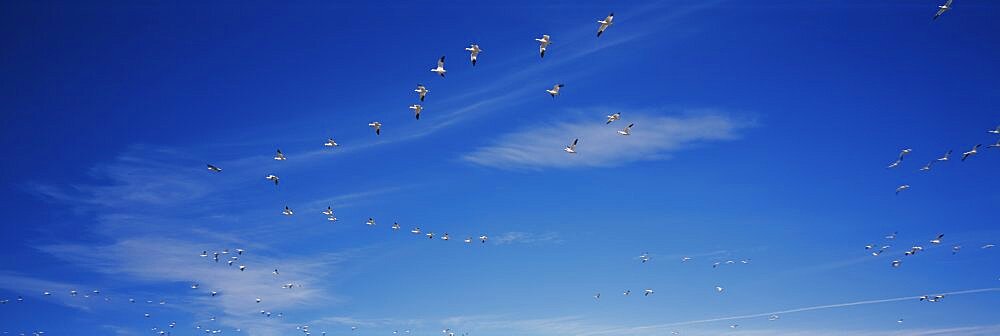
{"points": [[273, 178], [330, 143], [416, 110], [287, 211], [377, 126], [995, 130], [440, 68], [613, 117], [214, 169], [605, 24], [973, 151], [371, 221], [421, 91], [328, 211], [571, 148], [902, 188], [627, 130], [395, 226], [554, 91], [943, 8], [474, 52], [279, 156], [945, 157], [543, 43]]}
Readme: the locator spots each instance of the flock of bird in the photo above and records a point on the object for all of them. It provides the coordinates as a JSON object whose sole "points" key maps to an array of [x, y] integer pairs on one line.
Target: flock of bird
{"points": [[232, 258]]}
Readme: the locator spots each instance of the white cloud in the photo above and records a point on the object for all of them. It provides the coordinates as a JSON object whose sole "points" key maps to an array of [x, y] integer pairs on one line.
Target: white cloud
{"points": [[653, 138], [516, 237]]}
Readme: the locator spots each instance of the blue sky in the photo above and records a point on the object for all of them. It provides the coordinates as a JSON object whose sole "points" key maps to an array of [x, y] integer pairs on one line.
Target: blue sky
{"points": [[762, 132]]}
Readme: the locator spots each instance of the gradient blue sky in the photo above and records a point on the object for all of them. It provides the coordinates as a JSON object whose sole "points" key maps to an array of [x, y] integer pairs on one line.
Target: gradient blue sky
{"points": [[762, 132]]}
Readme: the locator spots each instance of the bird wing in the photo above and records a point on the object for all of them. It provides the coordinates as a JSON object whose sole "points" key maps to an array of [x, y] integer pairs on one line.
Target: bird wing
{"points": [[441, 62]]}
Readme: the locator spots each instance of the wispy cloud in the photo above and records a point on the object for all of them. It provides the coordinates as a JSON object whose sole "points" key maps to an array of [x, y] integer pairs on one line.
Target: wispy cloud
{"points": [[517, 237], [653, 137]]}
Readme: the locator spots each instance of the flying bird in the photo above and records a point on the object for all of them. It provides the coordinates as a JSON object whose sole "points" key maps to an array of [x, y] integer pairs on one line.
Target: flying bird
{"points": [[273, 178], [279, 156], [973, 151], [474, 52], [613, 117], [440, 68], [927, 166], [995, 130], [395, 226], [942, 8], [719, 289], [416, 110], [483, 238], [543, 43], [945, 157], [937, 240], [287, 211], [995, 145], [377, 126], [647, 292], [571, 148], [901, 188], [328, 211], [415, 230], [605, 24], [554, 91], [371, 221], [214, 169], [330, 143], [644, 257], [627, 130], [421, 91]]}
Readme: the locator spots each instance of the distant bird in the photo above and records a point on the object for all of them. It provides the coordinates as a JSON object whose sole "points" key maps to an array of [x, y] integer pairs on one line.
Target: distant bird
{"points": [[613, 117], [279, 156], [973, 151], [430, 235], [607, 22], [685, 259], [943, 8], [275, 272], [773, 318], [719, 289], [415, 230], [988, 246], [647, 292], [243, 268], [995, 130], [927, 166], [331, 218], [473, 52], [287, 211], [328, 211], [995, 145], [554, 91], [214, 169], [468, 240], [445, 236], [903, 153], [194, 286], [273, 178], [869, 246], [901, 188], [894, 164], [258, 300], [543, 43], [483, 238], [371, 221], [627, 292], [571, 148], [955, 249], [899, 321], [240, 251], [937, 240], [421, 91], [597, 296], [945, 157], [46, 293], [395, 226], [330, 143], [377, 126], [416, 110], [891, 236], [214, 293], [440, 68], [627, 130], [644, 257]]}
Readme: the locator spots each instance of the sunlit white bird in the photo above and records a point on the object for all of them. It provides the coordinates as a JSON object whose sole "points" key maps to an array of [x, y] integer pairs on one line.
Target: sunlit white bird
{"points": [[377, 126], [468, 240], [416, 110], [719, 289], [613, 117], [607, 22], [415, 230], [988, 246], [627, 130], [421, 91], [554, 91], [995, 145], [543, 44], [287, 211], [773, 318], [937, 240], [330, 143], [901, 188], [474, 52], [973, 151], [272, 178], [945, 157], [279, 156], [644, 257], [214, 169], [927, 166], [647, 292], [371, 221], [440, 68], [483, 238], [395, 226], [942, 8], [445, 236], [571, 148], [328, 211]]}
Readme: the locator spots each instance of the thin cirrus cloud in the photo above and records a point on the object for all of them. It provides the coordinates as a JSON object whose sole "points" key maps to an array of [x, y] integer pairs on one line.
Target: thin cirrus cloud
{"points": [[654, 137]]}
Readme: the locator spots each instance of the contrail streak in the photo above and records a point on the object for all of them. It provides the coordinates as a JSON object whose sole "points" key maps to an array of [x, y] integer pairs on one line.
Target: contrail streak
{"points": [[795, 310]]}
